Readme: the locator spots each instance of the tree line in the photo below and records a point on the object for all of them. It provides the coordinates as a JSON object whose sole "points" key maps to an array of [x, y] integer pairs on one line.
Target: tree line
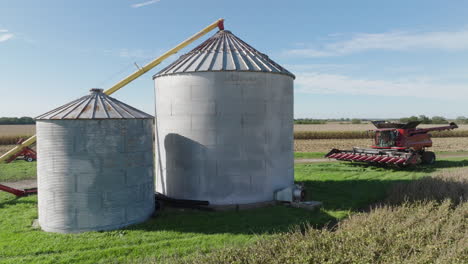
{"points": [[17, 120], [433, 120], [422, 118]]}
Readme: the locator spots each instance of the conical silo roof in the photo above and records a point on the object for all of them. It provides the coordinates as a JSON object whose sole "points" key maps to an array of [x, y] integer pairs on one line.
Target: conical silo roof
{"points": [[223, 52], [96, 105]]}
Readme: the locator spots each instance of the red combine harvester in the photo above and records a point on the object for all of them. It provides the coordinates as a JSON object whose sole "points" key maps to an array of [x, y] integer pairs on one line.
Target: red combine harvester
{"points": [[396, 144]]}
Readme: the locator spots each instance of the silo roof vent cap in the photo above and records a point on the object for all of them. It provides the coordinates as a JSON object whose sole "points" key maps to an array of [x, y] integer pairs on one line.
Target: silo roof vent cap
{"points": [[96, 90]]}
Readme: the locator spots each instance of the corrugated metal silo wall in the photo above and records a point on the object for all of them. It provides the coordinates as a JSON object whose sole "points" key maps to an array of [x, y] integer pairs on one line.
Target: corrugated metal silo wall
{"points": [[225, 137], [94, 174]]}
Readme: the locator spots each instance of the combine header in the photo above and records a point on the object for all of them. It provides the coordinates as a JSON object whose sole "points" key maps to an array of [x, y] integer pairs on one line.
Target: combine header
{"points": [[394, 143]]}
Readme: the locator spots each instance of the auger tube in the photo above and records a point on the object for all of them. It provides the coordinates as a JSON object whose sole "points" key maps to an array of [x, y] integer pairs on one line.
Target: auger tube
{"points": [[218, 23]]}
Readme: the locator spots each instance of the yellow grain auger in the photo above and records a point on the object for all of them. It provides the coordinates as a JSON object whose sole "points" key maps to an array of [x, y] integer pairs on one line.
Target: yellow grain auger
{"points": [[219, 23]]}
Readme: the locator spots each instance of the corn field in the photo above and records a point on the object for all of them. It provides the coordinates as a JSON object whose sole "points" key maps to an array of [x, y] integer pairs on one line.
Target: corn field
{"points": [[366, 134]]}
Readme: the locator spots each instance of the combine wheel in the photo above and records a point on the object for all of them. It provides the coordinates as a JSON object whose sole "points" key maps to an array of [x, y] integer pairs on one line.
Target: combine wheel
{"points": [[28, 159], [428, 157]]}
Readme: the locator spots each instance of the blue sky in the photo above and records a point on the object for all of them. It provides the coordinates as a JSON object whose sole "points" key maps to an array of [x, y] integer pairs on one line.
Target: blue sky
{"points": [[369, 59]]}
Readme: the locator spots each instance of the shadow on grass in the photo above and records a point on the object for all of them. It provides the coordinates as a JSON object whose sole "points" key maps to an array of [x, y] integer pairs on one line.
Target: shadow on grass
{"points": [[349, 195], [358, 194], [15, 201], [267, 220], [339, 197]]}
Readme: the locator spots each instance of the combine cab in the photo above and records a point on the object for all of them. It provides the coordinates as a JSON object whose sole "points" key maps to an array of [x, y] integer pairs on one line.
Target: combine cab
{"points": [[394, 143]]}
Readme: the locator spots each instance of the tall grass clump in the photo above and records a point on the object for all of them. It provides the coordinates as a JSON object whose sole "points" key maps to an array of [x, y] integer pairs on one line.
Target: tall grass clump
{"points": [[448, 184], [411, 233]]}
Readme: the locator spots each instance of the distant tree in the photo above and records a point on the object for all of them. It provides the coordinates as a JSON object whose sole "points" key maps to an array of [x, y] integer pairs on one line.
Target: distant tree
{"points": [[461, 120], [439, 120], [409, 119], [309, 121], [16, 121], [424, 119], [355, 121]]}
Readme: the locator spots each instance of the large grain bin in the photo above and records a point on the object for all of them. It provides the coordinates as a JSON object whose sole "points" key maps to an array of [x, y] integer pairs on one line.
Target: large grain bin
{"points": [[224, 131], [95, 165]]}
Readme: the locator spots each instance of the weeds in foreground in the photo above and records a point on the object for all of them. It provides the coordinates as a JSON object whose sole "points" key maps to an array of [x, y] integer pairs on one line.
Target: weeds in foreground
{"points": [[424, 221]]}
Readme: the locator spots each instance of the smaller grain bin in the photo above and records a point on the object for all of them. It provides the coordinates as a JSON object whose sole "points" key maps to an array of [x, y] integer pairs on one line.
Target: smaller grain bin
{"points": [[95, 165]]}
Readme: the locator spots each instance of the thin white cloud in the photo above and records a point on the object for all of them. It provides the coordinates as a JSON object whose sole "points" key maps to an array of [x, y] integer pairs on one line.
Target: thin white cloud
{"points": [[393, 41], [5, 35], [323, 83], [150, 2]]}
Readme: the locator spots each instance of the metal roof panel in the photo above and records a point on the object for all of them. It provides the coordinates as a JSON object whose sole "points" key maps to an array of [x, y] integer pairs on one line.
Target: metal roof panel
{"points": [[96, 105], [223, 52]]}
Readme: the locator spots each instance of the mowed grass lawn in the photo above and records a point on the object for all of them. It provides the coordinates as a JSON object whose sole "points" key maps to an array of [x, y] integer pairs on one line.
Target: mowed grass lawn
{"points": [[17, 170], [343, 188]]}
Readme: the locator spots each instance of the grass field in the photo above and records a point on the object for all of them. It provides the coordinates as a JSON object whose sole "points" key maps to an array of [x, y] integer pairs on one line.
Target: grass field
{"points": [[17, 170], [344, 189]]}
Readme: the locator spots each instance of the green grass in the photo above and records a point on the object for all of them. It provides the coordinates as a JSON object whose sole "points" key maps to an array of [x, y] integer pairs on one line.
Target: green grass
{"points": [[309, 155], [344, 189], [17, 170], [459, 153]]}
